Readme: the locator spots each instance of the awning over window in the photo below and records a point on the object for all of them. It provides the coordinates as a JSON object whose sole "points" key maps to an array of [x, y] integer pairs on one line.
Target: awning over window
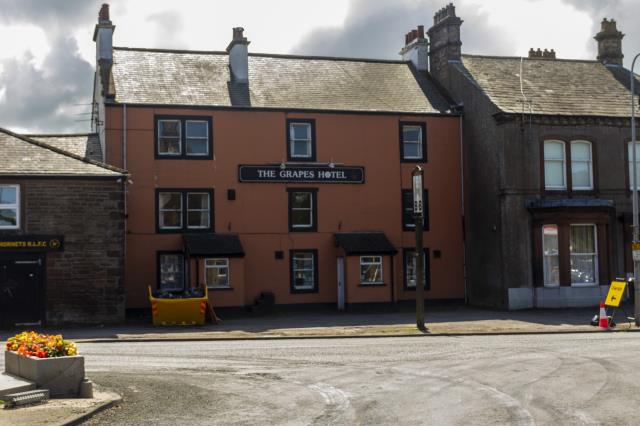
{"points": [[357, 243], [227, 245], [570, 203]]}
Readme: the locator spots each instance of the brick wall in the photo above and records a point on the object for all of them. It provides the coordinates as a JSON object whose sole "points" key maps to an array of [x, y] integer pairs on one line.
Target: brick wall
{"points": [[84, 283]]}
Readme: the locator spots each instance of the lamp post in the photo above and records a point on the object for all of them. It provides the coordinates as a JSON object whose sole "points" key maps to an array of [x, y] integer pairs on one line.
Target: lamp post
{"points": [[418, 215], [636, 230]]}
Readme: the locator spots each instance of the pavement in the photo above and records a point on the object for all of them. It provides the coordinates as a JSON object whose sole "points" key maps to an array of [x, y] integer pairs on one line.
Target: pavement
{"points": [[441, 321]]}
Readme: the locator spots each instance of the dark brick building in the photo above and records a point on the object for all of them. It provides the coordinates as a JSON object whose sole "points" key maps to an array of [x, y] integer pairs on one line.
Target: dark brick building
{"points": [[61, 235], [547, 192]]}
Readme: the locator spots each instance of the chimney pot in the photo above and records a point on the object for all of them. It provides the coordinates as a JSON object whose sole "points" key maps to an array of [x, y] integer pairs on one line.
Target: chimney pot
{"points": [[103, 15], [237, 33], [414, 34]]}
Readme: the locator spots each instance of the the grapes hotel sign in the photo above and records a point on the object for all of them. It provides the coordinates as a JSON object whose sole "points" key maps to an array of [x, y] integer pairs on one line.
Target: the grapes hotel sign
{"points": [[301, 174]]}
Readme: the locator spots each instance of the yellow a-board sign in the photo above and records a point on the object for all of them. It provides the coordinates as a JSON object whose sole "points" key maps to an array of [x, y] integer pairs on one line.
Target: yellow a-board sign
{"points": [[615, 293]]}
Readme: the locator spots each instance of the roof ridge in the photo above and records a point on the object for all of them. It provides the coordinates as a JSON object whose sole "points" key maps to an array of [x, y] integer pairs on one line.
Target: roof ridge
{"points": [[63, 152], [58, 135], [590, 61], [262, 55]]}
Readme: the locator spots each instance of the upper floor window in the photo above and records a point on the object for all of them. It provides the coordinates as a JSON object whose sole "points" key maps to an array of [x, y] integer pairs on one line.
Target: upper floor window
{"points": [[183, 137], [184, 209], [9, 206], [413, 147], [302, 209], [581, 165], [560, 174], [301, 140], [630, 161], [408, 221], [554, 165]]}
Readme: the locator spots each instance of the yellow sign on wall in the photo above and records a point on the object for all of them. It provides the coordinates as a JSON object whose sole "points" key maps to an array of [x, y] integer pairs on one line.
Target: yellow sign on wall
{"points": [[615, 293]]}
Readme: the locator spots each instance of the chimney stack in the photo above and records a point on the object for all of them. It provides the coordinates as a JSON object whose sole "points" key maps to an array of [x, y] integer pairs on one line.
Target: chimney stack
{"points": [[416, 49], [445, 44], [239, 57], [609, 43], [103, 37]]}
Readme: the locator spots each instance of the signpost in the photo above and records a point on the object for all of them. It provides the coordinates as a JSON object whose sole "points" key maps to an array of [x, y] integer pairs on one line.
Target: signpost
{"points": [[616, 290], [418, 214], [636, 230]]}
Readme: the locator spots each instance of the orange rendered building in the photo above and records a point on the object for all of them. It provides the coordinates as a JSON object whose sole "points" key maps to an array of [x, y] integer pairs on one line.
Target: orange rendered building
{"points": [[282, 176]]}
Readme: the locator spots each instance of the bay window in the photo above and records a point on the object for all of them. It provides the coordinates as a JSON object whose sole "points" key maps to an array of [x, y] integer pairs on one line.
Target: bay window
{"points": [[551, 263], [584, 254]]}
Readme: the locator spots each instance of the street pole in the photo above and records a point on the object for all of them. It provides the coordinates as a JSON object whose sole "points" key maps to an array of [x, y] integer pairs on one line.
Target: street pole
{"points": [[418, 215], [636, 230]]}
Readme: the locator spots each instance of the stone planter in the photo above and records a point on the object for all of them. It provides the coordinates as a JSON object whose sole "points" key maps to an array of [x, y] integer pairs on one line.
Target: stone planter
{"points": [[63, 376]]}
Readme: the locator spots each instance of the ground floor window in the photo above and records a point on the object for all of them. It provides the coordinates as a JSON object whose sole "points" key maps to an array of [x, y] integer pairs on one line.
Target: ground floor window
{"points": [[170, 271], [411, 270], [584, 254], [304, 270], [371, 270], [216, 273], [580, 255], [9, 207]]}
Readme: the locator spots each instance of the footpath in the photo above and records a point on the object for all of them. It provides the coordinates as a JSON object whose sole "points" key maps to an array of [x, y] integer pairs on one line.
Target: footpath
{"points": [[441, 321]]}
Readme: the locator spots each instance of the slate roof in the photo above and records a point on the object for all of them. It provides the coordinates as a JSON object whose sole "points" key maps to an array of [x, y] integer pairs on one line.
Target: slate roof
{"points": [[85, 144], [167, 77], [227, 245], [555, 86], [359, 243], [23, 156]]}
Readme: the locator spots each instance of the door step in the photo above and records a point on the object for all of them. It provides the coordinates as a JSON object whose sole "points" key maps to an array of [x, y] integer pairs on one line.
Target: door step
{"points": [[26, 398]]}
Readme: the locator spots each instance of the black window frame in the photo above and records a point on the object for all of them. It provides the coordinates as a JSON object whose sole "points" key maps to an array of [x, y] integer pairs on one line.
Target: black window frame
{"points": [[314, 209], [185, 228], [315, 288], [427, 268], [410, 226], [423, 158], [161, 253], [183, 137], [309, 121]]}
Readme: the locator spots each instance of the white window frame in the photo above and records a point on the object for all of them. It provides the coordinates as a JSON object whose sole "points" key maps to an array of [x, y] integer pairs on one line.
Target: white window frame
{"points": [[160, 272], [293, 140], [630, 164], [418, 142], [376, 260], [179, 137], [214, 265], [13, 206], [563, 160], [312, 255], [594, 254], [207, 210], [204, 138], [557, 255], [310, 209], [589, 164]]}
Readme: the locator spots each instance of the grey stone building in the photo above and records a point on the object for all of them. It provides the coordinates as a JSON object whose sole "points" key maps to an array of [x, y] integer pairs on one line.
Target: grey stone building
{"points": [[546, 152], [61, 232]]}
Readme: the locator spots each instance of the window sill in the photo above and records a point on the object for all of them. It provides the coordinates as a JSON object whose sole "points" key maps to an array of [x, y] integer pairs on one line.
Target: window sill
{"points": [[220, 288], [414, 289], [303, 291], [371, 285]]}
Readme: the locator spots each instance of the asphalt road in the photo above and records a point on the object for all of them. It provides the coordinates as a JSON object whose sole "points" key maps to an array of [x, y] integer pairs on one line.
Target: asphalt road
{"points": [[535, 379]]}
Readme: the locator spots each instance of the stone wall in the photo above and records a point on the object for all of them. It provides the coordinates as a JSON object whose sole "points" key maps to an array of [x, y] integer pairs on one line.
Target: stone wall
{"points": [[84, 283]]}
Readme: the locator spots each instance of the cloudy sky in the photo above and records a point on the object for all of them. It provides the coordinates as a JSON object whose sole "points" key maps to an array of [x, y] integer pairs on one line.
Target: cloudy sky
{"points": [[47, 52]]}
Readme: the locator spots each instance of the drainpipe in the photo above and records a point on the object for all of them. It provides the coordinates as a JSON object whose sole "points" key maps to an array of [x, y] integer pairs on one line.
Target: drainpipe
{"points": [[126, 183], [464, 226]]}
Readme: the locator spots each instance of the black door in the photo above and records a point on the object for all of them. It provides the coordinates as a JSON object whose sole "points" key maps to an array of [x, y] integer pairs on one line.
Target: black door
{"points": [[21, 286]]}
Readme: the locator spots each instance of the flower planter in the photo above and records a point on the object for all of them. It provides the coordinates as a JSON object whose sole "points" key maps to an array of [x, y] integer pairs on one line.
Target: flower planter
{"points": [[61, 375]]}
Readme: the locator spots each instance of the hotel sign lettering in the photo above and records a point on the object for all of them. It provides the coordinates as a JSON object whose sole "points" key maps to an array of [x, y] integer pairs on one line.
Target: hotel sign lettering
{"points": [[301, 174], [32, 243]]}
